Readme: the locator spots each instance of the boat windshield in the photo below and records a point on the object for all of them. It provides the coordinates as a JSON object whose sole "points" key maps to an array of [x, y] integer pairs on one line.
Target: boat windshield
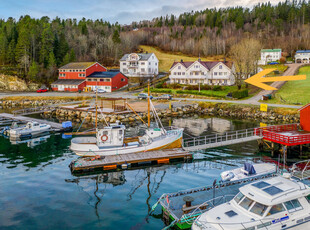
{"points": [[246, 203], [238, 197], [258, 209]]}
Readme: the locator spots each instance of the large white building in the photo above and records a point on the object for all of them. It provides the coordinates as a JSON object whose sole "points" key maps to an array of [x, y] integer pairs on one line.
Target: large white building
{"points": [[269, 55], [193, 73], [139, 65], [302, 56]]}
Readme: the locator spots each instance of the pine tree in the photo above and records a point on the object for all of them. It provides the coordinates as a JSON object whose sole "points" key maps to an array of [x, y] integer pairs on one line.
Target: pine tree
{"points": [[47, 39], [116, 38], [51, 60], [72, 56], [66, 59], [33, 72]]}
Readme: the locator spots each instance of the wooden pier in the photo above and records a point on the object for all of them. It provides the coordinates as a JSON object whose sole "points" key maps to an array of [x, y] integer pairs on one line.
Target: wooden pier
{"points": [[112, 162], [54, 125]]}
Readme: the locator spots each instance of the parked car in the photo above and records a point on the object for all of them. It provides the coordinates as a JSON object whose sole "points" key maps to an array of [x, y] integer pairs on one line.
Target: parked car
{"points": [[165, 97], [42, 90], [143, 96], [273, 63], [100, 90]]}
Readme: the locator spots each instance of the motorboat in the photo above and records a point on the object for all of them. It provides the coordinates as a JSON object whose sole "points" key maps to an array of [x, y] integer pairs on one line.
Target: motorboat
{"points": [[248, 170], [281, 202], [110, 140], [32, 128]]}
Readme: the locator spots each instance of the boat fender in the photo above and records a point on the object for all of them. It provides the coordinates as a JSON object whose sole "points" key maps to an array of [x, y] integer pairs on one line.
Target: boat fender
{"points": [[104, 137]]}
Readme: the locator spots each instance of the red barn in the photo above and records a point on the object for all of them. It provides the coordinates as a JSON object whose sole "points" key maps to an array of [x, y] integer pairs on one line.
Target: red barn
{"points": [[72, 76], [108, 81], [305, 117]]}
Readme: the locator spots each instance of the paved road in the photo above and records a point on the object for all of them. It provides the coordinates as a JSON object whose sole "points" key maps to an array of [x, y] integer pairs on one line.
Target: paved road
{"points": [[130, 95]]}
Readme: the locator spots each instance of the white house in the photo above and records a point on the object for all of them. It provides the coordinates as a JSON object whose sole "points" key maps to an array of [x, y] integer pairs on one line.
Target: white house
{"points": [[139, 65], [269, 55], [302, 56], [193, 73]]}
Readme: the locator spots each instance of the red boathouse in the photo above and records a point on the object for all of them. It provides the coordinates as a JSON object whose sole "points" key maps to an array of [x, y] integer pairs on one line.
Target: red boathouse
{"points": [[72, 77], [108, 81]]}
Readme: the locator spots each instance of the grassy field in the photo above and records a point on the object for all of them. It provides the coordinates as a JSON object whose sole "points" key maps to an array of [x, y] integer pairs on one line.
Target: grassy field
{"points": [[294, 92], [280, 67], [166, 59]]}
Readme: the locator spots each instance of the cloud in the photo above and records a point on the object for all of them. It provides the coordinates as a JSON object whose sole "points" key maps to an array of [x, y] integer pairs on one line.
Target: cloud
{"points": [[123, 11]]}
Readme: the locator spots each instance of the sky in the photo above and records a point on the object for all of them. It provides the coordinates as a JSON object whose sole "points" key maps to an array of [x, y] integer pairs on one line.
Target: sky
{"points": [[122, 11]]}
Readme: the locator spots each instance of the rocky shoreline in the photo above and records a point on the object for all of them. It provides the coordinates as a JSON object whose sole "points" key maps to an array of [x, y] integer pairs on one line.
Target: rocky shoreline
{"points": [[250, 113]]}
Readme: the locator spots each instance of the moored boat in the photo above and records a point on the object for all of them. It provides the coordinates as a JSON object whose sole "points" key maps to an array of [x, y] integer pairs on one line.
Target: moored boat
{"points": [[249, 170], [30, 129], [275, 203]]}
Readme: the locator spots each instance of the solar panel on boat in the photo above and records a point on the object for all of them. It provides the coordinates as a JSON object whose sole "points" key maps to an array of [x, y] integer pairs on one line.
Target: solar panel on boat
{"points": [[272, 190], [231, 213], [261, 184]]}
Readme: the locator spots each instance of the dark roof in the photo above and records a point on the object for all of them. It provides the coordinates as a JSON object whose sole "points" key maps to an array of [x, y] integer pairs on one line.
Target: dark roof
{"points": [[107, 74], [78, 65], [68, 82], [303, 51], [143, 56], [207, 64]]}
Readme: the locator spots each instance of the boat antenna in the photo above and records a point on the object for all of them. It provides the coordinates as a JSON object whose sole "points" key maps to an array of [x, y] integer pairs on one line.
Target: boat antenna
{"points": [[148, 105]]}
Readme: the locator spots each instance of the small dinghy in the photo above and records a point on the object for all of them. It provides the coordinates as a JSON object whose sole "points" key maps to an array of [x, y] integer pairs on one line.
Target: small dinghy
{"points": [[29, 130], [249, 170]]}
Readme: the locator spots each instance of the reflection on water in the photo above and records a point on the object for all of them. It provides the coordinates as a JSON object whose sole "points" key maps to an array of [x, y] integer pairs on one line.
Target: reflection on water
{"points": [[31, 142], [39, 192]]}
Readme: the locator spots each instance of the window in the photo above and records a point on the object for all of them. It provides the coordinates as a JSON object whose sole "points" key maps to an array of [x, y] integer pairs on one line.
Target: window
{"points": [[220, 67], [191, 81], [220, 73], [142, 69], [225, 81], [215, 73], [142, 63], [202, 73], [246, 203], [122, 79], [124, 63], [174, 73], [196, 73], [264, 225], [156, 63], [101, 79], [149, 63], [308, 198], [149, 69], [183, 73], [292, 205], [179, 73], [197, 66], [276, 209], [179, 67], [258, 209]]}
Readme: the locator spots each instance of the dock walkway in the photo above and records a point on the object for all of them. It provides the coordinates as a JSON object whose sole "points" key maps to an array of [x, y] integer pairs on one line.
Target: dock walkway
{"points": [[218, 140], [54, 125], [111, 162]]}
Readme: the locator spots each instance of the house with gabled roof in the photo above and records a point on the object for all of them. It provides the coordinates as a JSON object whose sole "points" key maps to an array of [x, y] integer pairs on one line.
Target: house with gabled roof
{"points": [[142, 65], [72, 76], [269, 55], [202, 72], [302, 56], [109, 81]]}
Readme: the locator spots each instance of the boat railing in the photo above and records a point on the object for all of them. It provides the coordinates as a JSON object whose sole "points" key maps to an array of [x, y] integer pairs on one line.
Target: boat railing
{"points": [[205, 206], [301, 169], [260, 224]]}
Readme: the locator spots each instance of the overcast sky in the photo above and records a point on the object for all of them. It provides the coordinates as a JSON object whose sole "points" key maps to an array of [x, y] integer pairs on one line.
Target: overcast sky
{"points": [[123, 11]]}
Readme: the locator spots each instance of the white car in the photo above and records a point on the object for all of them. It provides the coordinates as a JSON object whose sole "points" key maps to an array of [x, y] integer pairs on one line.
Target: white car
{"points": [[100, 90]]}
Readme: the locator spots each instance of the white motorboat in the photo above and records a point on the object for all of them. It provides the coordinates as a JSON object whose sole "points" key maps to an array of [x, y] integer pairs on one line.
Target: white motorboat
{"points": [[111, 140], [32, 128], [249, 170], [277, 203]]}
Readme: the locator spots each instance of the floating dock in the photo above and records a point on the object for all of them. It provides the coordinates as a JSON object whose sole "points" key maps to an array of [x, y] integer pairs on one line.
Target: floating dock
{"points": [[112, 162], [54, 125]]}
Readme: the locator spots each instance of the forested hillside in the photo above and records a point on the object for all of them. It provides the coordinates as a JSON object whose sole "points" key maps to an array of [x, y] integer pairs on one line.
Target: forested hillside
{"points": [[34, 48]]}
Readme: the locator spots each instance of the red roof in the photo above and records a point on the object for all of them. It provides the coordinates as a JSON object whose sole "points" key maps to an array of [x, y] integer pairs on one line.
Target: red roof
{"points": [[304, 107], [207, 64]]}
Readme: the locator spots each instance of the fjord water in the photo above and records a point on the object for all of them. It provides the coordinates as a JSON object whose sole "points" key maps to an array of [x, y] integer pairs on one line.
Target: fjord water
{"points": [[38, 191]]}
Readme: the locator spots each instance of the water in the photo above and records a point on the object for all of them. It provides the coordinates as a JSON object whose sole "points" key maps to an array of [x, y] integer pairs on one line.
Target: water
{"points": [[37, 190]]}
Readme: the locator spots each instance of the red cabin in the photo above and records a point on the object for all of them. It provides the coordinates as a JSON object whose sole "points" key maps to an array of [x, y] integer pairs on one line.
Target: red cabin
{"points": [[305, 117]]}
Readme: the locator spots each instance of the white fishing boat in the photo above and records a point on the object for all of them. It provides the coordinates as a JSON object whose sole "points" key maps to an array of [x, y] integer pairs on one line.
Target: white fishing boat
{"points": [[111, 140], [277, 203], [32, 128], [248, 170]]}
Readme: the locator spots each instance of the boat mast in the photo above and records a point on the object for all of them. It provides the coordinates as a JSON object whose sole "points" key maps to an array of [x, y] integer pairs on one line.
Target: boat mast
{"points": [[148, 105], [96, 105]]}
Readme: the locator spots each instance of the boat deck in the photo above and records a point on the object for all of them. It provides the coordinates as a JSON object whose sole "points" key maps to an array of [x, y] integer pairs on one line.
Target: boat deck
{"points": [[112, 162]]}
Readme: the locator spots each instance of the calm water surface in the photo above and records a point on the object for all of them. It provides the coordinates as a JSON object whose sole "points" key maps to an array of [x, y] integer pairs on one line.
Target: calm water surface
{"points": [[38, 191]]}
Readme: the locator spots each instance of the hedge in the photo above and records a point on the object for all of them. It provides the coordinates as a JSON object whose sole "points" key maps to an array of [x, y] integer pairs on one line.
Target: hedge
{"points": [[240, 93], [202, 93], [155, 90]]}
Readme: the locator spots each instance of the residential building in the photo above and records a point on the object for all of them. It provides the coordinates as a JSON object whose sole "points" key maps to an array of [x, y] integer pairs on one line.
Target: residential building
{"points": [[108, 81], [72, 77], [210, 73], [302, 56], [269, 55], [139, 65]]}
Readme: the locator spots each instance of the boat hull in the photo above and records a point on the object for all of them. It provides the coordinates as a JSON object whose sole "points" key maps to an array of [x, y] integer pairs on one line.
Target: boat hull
{"points": [[91, 149]]}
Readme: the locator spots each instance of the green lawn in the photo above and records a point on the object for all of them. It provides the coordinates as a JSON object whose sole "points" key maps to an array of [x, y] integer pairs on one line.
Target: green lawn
{"points": [[294, 92], [280, 67]]}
